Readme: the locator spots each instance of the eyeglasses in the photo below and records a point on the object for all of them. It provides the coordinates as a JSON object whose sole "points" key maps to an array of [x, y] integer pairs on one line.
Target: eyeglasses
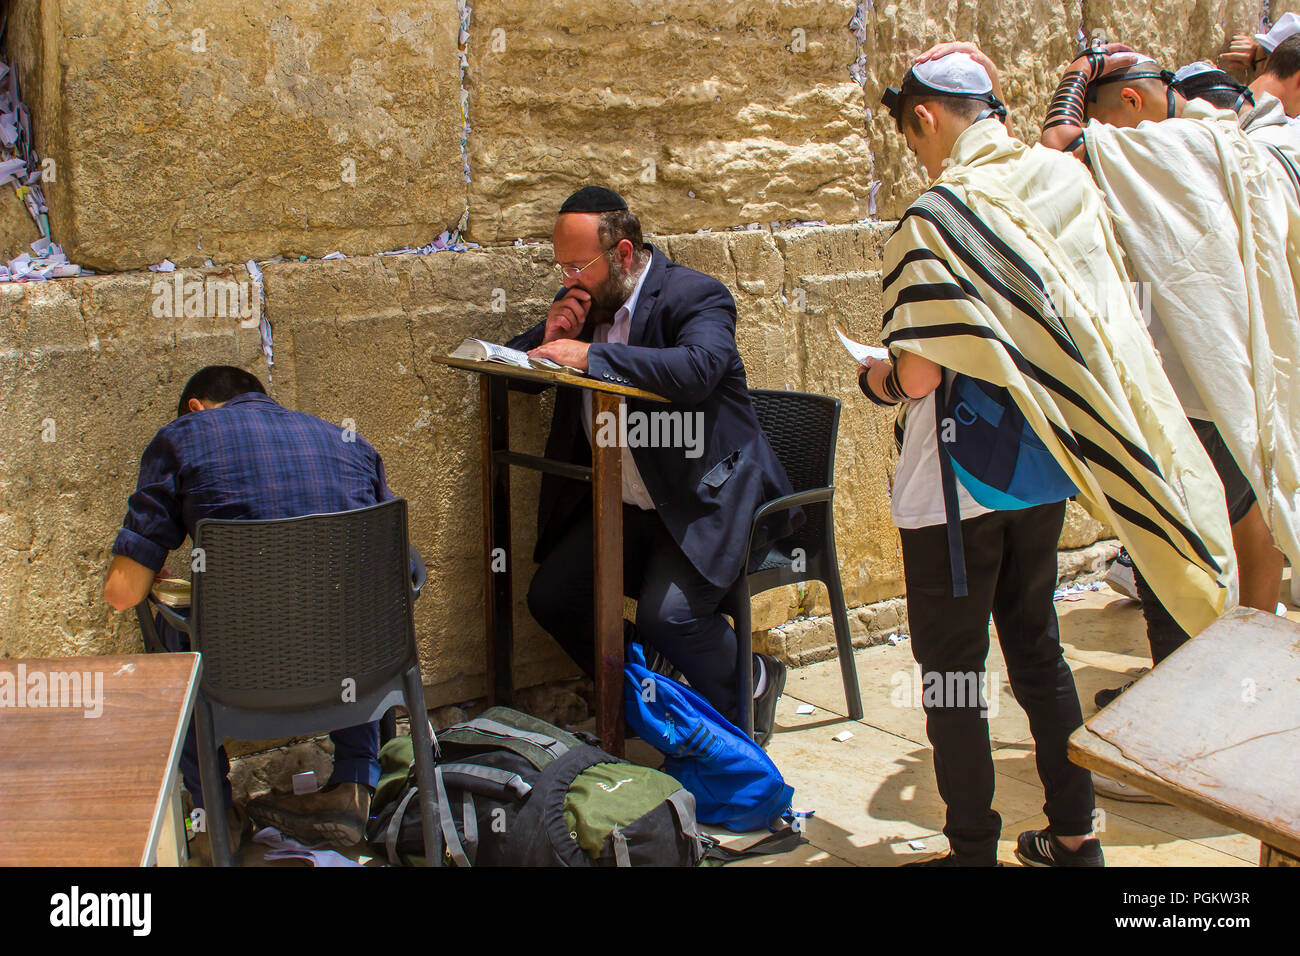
{"points": [[569, 272]]}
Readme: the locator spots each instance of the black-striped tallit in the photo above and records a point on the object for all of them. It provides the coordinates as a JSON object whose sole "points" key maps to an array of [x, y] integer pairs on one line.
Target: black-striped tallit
{"points": [[1205, 215], [1030, 294]]}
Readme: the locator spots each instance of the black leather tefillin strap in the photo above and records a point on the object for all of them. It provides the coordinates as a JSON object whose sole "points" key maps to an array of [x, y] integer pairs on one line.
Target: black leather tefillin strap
{"points": [[1163, 75], [894, 393], [1067, 105]]}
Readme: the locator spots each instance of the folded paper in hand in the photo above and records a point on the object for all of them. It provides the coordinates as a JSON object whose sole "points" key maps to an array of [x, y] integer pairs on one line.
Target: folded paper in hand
{"points": [[862, 352]]}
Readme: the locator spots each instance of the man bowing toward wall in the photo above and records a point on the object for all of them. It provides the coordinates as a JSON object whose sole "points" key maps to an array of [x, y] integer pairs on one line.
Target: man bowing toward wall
{"points": [[627, 314]]}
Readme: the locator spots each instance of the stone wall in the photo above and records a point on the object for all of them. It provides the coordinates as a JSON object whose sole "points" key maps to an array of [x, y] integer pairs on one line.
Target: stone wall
{"points": [[92, 372], [710, 114], [295, 129], [195, 131]]}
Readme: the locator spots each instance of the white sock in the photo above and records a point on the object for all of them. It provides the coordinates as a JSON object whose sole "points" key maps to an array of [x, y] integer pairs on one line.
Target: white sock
{"points": [[760, 685]]}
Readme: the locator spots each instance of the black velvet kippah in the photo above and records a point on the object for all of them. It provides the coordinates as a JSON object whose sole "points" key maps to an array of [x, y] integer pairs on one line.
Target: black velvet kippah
{"points": [[593, 199]]}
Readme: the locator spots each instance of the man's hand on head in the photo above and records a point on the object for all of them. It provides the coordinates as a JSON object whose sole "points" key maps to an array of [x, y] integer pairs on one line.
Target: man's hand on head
{"points": [[565, 351], [1243, 52], [940, 50], [1110, 59], [1066, 117], [567, 316]]}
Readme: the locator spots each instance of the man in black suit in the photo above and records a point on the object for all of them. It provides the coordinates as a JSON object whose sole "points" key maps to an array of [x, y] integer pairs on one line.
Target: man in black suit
{"points": [[629, 315]]}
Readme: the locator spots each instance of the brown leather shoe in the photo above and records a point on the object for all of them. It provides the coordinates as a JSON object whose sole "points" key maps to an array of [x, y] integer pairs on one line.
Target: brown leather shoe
{"points": [[337, 814]]}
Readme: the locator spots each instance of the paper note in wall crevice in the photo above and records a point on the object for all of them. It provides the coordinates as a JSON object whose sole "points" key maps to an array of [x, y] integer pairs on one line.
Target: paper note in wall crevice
{"points": [[862, 352]]}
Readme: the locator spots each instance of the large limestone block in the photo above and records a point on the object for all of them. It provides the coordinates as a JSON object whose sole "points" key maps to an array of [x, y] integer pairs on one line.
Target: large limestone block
{"points": [[1175, 32], [353, 340], [792, 288], [89, 371], [704, 115], [1030, 41], [837, 270], [1081, 529], [193, 131]]}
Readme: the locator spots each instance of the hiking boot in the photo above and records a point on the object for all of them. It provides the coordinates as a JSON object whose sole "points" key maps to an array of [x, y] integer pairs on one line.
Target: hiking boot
{"points": [[765, 703], [1118, 790], [337, 814], [1042, 848]]}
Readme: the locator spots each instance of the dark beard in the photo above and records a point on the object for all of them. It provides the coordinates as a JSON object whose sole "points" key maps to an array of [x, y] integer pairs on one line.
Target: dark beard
{"points": [[609, 298]]}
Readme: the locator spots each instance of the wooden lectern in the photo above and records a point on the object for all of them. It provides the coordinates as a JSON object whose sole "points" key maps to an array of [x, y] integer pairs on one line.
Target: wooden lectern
{"points": [[606, 477]]}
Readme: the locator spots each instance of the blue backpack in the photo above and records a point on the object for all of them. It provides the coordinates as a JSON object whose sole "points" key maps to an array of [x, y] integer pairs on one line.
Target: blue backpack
{"points": [[996, 456], [734, 782]]}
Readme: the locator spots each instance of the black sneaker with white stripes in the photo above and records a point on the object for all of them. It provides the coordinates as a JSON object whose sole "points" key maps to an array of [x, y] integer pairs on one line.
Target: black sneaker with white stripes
{"points": [[1042, 848]]}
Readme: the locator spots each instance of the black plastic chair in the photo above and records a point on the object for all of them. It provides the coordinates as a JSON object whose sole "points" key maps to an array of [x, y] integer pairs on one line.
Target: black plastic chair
{"points": [[802, 430], [287, 612]]}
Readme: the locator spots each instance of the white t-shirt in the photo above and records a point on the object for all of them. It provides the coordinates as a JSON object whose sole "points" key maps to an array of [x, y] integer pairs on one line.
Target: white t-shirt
{"points": [[917, 501]]}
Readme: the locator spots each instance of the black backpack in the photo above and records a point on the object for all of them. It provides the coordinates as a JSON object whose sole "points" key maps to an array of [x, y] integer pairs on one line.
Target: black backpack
{"points": [[513, 790]]}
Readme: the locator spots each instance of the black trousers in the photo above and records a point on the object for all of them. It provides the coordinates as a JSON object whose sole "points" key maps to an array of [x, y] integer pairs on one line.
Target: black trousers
{"points": [[1163, 632], [677, 609], [1011, 573]]}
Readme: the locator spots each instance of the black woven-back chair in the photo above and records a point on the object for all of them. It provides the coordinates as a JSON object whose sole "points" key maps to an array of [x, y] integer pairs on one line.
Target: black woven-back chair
{"points": [[305, 626], [802, 430]]}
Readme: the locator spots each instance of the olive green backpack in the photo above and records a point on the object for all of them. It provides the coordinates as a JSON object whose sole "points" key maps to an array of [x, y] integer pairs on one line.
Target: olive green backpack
{"points": [[513, 790]]}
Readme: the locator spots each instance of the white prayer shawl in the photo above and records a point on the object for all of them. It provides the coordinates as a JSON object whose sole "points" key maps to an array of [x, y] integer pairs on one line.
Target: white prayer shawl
{"points": [[1267, 123], [1031, 295], [1206, 221]]}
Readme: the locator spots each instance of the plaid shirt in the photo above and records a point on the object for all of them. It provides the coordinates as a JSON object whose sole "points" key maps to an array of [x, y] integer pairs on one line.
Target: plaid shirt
{"points": [[249, 460]]}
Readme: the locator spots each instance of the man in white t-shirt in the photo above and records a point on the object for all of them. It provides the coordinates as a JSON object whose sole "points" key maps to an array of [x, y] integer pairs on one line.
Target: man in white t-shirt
{"points": [[1006, 271], [1009, 556]]}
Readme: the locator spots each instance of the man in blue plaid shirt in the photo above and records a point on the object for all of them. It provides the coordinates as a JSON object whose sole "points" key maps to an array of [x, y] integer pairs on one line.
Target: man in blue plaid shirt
{"points": [[234, 453]]}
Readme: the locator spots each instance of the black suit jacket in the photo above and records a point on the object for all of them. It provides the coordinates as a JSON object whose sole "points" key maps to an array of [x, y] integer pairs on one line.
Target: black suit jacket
{"points": [[681, 345]]}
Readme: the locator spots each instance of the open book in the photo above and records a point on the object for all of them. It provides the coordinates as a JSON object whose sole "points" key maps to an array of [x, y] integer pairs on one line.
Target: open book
{"points": [[862, 352], [174, 592], [476, 350]]}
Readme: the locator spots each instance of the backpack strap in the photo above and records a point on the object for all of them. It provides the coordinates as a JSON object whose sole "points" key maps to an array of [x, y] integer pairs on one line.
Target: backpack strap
{"points": [[621, 856], [683, 806], [448, 823], [486, 781], [470, 819], [951, 503], [497, 729], [782, 841], [395, 824]]}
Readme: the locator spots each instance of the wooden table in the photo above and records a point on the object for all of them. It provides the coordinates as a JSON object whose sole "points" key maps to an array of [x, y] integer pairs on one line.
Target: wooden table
{"points": [[79, 790], [606, 477], [1215, 728]]}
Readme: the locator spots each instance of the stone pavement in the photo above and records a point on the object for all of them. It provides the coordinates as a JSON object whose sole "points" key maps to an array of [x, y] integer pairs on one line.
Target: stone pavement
{"points": [[874, 795]]}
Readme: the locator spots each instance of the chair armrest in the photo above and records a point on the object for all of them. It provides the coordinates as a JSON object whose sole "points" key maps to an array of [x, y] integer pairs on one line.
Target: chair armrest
{"points": [[144, 614], [173, 617], [785, 503], [152, 642], [419, 573]]}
